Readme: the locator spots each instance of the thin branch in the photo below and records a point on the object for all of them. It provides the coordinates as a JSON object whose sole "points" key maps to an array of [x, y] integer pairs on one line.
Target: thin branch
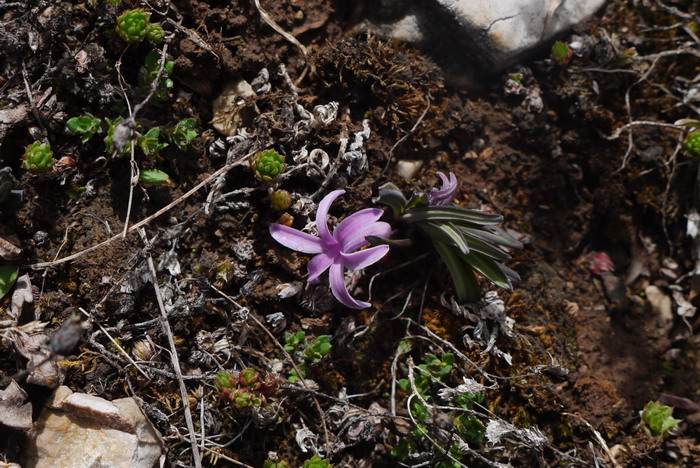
{"points": [[173, 355]]}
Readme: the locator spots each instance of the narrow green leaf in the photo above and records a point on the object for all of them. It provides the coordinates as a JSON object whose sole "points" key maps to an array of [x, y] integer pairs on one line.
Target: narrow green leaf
{"points": [[8, 276], [489, 268], [466, 287], [491, 236], [445, 232], [485, 248], [451, 213]]}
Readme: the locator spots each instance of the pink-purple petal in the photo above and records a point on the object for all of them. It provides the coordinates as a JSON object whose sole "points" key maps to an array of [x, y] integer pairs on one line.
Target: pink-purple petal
{"points": [[377, 229], [340, 291], [447, 193], [295, 239], [356, 221], [318, 265], [322, 213], [363, 258]]}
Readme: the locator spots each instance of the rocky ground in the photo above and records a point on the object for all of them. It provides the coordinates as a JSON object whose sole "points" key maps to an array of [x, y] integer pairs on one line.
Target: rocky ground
{"points": [[579, 148]]}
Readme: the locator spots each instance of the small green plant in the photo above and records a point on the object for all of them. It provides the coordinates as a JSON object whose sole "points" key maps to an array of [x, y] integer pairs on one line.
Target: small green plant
{"points": [[183, 133], [658, 420], [8, 276], [275, 464], [149, 72], [155, 32], [692, 144], [135, 26], [248, 389], [149, 143], [306, 352], [154, 177], [466, 426], [86, 126], [316, 462], [280, 200], [109, 138], [561, 53], [38, 158], [267, 165], [466, 240]]}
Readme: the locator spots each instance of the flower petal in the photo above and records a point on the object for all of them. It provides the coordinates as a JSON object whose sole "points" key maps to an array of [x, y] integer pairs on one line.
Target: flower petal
{"points": [[295, 239], [356, 221], [446, 194], [318, 265], [378, 229], [363, 258], [322, 213], [340, 291]]}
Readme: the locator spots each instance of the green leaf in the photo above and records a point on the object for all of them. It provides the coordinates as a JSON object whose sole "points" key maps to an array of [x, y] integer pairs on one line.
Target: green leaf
{"points": [[445, 232], [489, 268], [390, 195], [86, 125], [405, 346], [8, 276], [466, 287], [153, 176], [492, 236], [451, 213], [487, 249]]}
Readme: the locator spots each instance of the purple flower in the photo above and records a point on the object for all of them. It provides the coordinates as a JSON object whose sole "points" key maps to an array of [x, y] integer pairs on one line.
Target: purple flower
{"points": [[339, 250], [447, 193]]}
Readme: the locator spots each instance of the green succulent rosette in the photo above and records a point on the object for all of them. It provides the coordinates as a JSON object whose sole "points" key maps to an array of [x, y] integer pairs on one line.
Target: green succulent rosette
{"points": [[38, 158], [133, 25], [268, 165]]}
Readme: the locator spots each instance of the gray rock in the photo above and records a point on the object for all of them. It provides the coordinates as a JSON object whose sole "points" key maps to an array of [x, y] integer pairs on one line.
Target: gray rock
{"points": [[494, 33], [76, 430]]}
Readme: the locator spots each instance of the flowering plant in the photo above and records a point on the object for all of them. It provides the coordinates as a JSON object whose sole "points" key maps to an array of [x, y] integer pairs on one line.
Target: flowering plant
{"points": [[339, 250], [466, 240]]}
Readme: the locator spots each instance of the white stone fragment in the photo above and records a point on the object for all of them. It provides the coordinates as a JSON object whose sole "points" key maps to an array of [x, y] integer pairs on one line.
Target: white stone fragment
{"points": [[77, 430], [407, 169]]}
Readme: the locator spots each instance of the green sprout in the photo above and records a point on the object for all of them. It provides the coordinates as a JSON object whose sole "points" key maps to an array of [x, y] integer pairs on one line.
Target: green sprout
{"points": [[8, 276], [692, 145], [183, 133], [153, 177], [38, 158], [658, 420], [561, 53], [86, 125], [267, 165], [316, 462], [466, 240], [149, 143], [149, 72], [307, 352]]}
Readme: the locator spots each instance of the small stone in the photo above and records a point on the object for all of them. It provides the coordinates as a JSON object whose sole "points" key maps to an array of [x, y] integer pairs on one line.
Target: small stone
{"points": [[494, 33], [231, 109], [407, 169], [76, 430]]}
